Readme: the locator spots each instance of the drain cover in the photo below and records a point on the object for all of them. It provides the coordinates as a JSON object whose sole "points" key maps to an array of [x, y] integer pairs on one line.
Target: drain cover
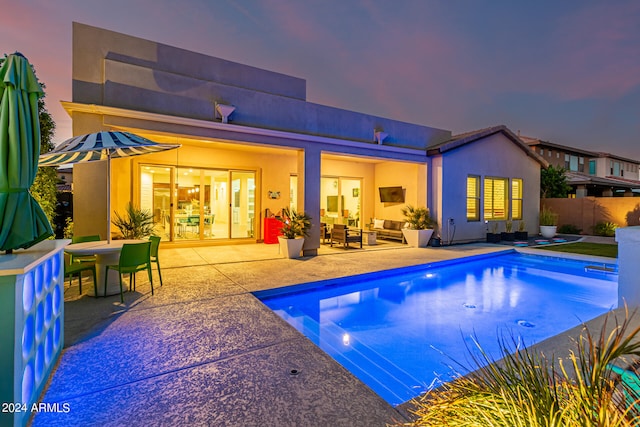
{"points": [[525, 324]]}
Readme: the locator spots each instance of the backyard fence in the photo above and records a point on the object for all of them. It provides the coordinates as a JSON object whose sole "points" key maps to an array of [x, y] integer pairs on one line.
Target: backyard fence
{"points": [[586, 212]]}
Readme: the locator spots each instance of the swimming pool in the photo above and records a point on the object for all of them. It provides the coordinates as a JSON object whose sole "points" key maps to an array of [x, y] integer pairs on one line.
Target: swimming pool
{"points": [[399, 330]]}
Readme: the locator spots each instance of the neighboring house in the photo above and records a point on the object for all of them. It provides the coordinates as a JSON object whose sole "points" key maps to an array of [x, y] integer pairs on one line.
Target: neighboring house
{"points": [[590, 173], [65, 175], [251, 145]]}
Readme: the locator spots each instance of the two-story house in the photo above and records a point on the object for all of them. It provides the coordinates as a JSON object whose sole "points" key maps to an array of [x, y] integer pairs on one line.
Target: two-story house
{"points": [[590, 173]]}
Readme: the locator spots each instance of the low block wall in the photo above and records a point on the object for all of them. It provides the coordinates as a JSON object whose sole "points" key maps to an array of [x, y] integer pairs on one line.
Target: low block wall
{"points": [[586, 212]]}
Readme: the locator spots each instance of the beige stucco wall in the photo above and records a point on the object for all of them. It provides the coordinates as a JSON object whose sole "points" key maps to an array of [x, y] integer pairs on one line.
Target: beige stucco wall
{"points": [[493, 156], [349, 168], [412, 178]]}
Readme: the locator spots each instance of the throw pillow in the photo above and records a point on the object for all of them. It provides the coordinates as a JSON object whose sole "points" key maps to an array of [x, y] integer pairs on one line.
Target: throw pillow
{"points": [[378, 223]]}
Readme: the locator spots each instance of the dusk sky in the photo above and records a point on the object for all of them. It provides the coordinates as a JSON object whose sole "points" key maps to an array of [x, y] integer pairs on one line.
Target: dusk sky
{"points": [[564, 71]]}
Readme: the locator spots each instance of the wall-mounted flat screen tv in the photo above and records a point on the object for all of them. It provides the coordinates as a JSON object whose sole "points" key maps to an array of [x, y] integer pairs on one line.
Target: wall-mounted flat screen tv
{"points": [[391, 195]]}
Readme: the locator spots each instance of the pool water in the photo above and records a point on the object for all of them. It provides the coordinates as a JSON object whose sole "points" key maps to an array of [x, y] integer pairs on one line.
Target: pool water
{"points": [[400, 331]]}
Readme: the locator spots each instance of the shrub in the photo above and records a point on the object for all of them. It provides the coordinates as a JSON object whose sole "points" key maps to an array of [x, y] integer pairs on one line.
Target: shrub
{"points": [[68, 228], [607, 229], [569, 229], [137, 224]]}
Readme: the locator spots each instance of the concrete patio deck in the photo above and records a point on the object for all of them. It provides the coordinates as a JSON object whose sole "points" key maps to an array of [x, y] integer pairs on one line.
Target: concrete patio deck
{"points": [[204, 351]]}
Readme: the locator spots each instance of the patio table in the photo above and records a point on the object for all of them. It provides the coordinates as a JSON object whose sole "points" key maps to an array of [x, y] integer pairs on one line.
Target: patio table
{"points": [[106, 253]]}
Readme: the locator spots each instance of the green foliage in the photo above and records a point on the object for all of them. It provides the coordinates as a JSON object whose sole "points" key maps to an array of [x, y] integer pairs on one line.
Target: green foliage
{"points": [[45, 192], [295, 224], [528, 388], [548, 217], [568, 229], [68, 228], [522, 226], [137, 224], [607, 229], [418, 218], [553, 182], [508, 226]]}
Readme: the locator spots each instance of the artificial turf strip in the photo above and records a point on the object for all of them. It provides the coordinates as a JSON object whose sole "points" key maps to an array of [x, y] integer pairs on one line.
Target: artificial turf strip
{"points": [[584, 248]]}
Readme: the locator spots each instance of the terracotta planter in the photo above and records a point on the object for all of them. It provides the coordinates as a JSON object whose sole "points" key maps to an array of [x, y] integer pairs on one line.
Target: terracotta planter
{"points": [[417, 238], [548, 231], [291, 248]]}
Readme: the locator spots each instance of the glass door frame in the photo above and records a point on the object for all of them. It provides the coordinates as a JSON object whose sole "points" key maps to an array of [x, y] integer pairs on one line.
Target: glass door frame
{"points": [[252, 200]]}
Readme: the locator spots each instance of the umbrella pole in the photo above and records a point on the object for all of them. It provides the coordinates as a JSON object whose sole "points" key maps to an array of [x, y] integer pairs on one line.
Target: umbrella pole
{"points": [[108, 197]]}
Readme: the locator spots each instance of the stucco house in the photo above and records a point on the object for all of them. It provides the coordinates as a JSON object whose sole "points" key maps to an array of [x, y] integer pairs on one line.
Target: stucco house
{"points": [[251, 144]]}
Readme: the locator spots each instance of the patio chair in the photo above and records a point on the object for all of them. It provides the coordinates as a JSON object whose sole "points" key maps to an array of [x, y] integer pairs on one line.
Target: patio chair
{"points": [[193, 222], [325, 233], [134, 257], [83, 239], [155, 245], [340, 233], [76, 268]]}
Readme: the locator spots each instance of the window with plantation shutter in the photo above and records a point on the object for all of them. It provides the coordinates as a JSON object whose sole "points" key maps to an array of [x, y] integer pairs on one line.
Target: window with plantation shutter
{"points": [[516, 198], [495, 198], [473, 198]]}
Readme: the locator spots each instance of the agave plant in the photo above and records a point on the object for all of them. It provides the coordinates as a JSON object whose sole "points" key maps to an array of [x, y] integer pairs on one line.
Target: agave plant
{"points": [[137, 223], [527, 388]]}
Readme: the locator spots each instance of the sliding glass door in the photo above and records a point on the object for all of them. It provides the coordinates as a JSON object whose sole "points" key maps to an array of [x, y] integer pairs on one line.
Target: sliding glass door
{"points": [[340, 200], [199, 204], [243, 188]]}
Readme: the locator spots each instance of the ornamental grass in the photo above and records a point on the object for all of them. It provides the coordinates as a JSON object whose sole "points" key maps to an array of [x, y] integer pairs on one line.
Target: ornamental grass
{"points": [[527, 388]]}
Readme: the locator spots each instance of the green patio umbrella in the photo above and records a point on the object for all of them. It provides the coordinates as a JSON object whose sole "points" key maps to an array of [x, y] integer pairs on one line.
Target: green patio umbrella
{"points": [[23, 223]]}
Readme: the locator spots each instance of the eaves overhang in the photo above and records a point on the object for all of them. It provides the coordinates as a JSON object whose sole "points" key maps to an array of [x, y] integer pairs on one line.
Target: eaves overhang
{"points": [[374, 149]]}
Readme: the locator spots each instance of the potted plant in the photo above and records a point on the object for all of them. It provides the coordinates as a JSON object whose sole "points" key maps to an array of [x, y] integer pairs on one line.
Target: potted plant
{"points": [[548, 222], [493, 236], [508, 235], [521, 233], [295, 227], [420, 226]]}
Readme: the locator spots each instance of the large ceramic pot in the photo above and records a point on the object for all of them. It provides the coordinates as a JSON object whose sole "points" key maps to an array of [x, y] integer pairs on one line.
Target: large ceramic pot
{"points": [[291, 248], [417, 238], [548, 231]]}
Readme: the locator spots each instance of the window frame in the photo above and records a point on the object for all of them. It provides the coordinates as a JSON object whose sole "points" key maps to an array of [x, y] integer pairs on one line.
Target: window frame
{"points": [[517, 200], [489, 214], [475, 199]]}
